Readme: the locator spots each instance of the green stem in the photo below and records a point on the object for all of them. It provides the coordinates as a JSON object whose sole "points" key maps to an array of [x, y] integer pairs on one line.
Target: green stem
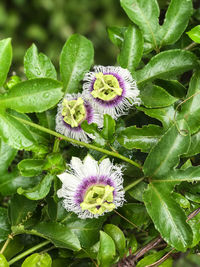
{"points": [[190, 46], [6, 244], [29, 251], [128, 187], [89, 146]]}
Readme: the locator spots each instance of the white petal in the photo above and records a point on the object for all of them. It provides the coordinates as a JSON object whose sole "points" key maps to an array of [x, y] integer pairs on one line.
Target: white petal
{"points": [[70, 181], [90, 166], [105, 167], [77, 167]]}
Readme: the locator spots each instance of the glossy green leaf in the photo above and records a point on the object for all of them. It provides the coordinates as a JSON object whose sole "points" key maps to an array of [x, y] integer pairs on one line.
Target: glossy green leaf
{"points": [[20, 209], [191, 109], [14, 247], [10, 181], [132, 49], [5, 59], [194, 146], [154, 96], [163, 210], [150, 259], [38, 260], [59, 234], [118, 237], [3, 261], [144, 13], [181, 200], [194, 34], [40, 190], [7, 154], [116, 35], [141, 138], [194, 224], [176, 21], [167, 64], [93, 129], [76, 59], [30, 167], [35, 95], [165, 154], [106, 250], [108, 130], [173, 87], [4, 224], [137, 191], [38, 65]]}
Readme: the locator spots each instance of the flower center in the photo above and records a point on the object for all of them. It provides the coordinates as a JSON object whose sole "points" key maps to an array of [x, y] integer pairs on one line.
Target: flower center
{"points": [[106, 87], [98, 199], [73, 112]]}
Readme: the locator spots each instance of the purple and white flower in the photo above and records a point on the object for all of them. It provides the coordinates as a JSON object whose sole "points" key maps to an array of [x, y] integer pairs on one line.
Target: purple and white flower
{"points": [[112, 90], [90, 189], [72, 111]]}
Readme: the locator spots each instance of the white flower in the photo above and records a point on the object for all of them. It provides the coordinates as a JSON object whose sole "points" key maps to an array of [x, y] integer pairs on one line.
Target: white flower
{"points": [[111, 89], [90, 189], [72, 111]]}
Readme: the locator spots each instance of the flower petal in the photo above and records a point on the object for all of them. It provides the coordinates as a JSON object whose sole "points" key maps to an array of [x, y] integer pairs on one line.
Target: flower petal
{"points": [[90, 166]]}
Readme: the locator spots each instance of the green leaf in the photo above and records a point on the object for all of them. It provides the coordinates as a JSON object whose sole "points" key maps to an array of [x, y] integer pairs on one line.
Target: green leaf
{"points": [[3, 261], [4, 224], [38, 65], [108, 128], [93, 129], [141, 138], [137, 191], [20, 209], [194, 146], [194, 34], [176, 21], [59, 234], [38, 260], [5, 59], [40, 190], [106, 250], [30, 167], [173, 87], [165, 154], [154, 96], [76, 59], [14, 247], [132, 49], [7, 154], [35, 95], [116, 35], [118, 237], [168, 217], [191, 109], [145, 14], [147, 260], [10, 181], [167, 64], [194, 224], [181, 200]]}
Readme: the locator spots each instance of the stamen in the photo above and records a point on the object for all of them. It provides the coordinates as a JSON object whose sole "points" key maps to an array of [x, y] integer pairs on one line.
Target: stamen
{"points": [[73, 112], [106, 87]]}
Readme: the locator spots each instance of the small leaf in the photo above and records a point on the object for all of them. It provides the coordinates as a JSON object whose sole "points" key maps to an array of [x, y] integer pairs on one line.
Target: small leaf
{"points": [[106, 250], [118, 237], [30, 167], [3, 261], [35, 95], [167, 64], [194, 34], [40, 190], [93, 129], [181, 200], [194, 146], [150, 259], [164, 211], [76, 59], [132, 49], [116, 35], [38, 65], [141, 138], [108, 127], [7, 154], [59, 234], [38, 260], [5, 59], [4, 224]]}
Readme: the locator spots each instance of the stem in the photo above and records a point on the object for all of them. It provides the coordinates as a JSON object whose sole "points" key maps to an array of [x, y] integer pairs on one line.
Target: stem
{"points": [[190, 46], [89, 146], [6, 244], [128, 187], [27, 252]]}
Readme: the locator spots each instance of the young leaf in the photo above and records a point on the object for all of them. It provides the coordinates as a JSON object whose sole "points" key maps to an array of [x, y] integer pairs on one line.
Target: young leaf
{"points": [[141, 138], [194, 34], [7, 154], [5, 59], [167, 215], [145, 14], [4, 224], [108, 130], [76, 59], [176, 21], [165, 154], [116, 35], [106, 250], [38, 65], [93, 129], [167, 64], [35, 95], [36, 259], [132, 49], [30, 167]]}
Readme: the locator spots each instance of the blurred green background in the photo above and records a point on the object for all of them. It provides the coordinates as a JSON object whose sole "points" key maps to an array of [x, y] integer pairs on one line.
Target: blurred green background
{"points": [[48, 23]]}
